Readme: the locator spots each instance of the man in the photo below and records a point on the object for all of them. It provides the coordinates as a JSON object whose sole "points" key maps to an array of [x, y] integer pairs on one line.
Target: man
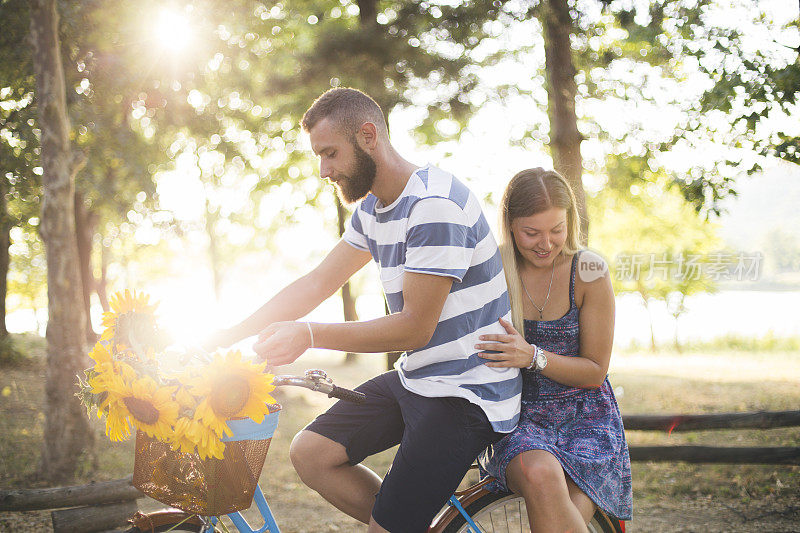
{"points": [[442, 275]]}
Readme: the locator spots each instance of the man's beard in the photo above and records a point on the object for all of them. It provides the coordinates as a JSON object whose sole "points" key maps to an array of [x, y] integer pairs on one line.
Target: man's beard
{"points": [[357, 185]]}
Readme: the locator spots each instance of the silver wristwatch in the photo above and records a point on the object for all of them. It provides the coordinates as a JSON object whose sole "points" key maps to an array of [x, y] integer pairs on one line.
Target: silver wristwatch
{"points": [[539, 360]]}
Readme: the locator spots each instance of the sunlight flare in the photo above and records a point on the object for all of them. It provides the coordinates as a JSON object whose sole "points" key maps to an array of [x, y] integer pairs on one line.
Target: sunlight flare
{"points": [[173, 31]]}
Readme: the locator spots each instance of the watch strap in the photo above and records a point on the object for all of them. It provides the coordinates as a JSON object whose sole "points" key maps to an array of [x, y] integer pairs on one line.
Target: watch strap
{"points": [[532, 366]]}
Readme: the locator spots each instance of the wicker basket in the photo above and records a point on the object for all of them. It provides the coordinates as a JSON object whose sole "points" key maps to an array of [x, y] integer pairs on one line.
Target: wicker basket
{"points": [[208, 487]]}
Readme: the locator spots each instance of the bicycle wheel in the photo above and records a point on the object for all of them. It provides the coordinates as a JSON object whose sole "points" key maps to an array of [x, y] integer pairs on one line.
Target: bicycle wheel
{"points": [[506, 513], [166, 520], [163, 528], [177, 527]]}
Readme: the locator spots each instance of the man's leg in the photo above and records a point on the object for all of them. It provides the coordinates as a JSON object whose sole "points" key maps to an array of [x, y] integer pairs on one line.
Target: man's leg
{"points": [[443, 437], [323, 465], [327, 453], [375, 527]]}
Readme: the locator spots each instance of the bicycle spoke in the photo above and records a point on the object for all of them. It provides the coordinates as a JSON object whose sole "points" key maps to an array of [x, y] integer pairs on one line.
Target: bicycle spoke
{"points": [[181, 522], [498, 511]]}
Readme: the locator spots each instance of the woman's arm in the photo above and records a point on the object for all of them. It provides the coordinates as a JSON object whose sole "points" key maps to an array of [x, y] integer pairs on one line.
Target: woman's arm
{"points": [[596, 321], [587, 371]]}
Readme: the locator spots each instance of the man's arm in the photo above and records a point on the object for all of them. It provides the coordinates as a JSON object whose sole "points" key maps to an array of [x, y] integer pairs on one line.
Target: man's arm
{"points": [[423, 299], [300, 297]]}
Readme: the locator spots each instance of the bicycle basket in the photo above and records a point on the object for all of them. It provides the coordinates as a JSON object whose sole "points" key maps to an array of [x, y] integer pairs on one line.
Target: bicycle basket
{"points": [[208, 487]]}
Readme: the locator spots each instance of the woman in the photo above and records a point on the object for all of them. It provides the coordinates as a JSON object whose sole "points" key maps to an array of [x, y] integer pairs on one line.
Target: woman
{"points": [[568, 454]]}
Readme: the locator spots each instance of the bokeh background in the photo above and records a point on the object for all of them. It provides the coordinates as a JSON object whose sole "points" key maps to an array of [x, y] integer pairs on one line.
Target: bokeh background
{"points": [[676, 121]]}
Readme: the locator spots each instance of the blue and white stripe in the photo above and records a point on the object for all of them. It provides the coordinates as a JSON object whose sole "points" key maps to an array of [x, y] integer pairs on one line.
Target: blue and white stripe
{"points": [[436, 226]]}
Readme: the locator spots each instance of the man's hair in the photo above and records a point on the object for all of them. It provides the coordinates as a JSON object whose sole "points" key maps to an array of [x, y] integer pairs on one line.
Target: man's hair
{"points": [[347, 108]]}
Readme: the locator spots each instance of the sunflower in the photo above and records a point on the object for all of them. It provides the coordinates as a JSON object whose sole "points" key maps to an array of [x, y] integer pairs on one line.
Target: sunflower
{"points": [[105, 389], [131, 323], [185, 398], [104, 362], [231, 388], [108, 378], [100, 354], [117, 427], [204, 438], [149, 407], [181, 440]]}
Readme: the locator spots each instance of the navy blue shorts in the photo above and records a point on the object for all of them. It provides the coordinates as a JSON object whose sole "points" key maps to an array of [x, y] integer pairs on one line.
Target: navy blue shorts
{"points": [[439, 439]]}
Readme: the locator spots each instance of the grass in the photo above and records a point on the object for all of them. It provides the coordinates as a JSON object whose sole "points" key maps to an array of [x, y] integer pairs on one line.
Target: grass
{"points": [[715, 382], [723, 497], [21, 350], [729, 343]]}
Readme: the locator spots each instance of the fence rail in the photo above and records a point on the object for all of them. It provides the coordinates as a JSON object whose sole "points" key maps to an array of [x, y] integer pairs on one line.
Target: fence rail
{"points": [[756, 420], [81, 508], [714, 454], [75, 496], [711, 454]]}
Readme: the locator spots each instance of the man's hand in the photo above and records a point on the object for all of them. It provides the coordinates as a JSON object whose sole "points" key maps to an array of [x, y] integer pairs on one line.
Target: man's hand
{"points": [[283, 342], [219, 339]]}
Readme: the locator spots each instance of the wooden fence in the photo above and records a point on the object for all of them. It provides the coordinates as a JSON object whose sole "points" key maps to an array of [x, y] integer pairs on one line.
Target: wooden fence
{"points": [[107, 505], [84, 508], [713, 454]]}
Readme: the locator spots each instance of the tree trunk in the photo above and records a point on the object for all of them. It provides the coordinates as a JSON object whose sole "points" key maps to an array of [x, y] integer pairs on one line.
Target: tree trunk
{"points": [[367, 12], [213, 249], [85, 223], [679, 309], [101, 285], [66, 431], [368, 20], [5, 259], [348, 302], [565, 139], [646, 301]]}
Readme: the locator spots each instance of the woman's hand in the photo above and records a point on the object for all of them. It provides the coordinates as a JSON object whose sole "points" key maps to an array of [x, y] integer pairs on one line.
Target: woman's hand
{"points": [[514, 351]]}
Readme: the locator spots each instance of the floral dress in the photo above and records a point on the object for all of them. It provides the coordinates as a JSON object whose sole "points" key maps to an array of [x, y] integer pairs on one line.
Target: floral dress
{"points": [[582, 428]]}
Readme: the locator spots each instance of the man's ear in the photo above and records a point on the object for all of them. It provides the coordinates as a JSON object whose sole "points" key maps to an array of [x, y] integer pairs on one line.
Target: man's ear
{"points": [[368, 135]]}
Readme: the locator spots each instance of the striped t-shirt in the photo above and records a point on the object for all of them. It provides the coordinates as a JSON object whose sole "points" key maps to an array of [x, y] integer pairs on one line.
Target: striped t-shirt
{"points": [[436, 226]]}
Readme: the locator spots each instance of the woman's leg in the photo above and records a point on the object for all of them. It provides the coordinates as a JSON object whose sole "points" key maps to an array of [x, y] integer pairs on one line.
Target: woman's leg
{"points": [[579, 498], [538, 477]]}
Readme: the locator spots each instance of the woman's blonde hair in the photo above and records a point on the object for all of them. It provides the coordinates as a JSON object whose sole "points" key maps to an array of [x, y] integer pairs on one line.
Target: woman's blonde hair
{"points": [[530, 192]]}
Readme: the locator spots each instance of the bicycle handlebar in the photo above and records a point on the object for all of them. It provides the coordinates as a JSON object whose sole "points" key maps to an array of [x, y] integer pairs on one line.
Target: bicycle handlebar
{"points": [[347, 395], [318, 381], [314, 379]]}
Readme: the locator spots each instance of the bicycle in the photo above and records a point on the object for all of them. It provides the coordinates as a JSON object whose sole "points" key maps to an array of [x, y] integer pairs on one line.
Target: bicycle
{"points": [[472, 510]]}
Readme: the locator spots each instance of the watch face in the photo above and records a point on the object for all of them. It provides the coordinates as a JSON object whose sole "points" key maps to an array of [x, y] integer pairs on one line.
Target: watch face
{"points": [[541, 360]]}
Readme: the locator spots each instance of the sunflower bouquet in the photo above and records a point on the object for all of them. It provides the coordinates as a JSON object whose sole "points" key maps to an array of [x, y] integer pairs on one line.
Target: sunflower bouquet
{"points": [[187, 453]]}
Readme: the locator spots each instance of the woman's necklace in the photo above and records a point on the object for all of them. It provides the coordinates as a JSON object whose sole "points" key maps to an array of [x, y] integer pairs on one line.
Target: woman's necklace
{"points": [[547, 298]]}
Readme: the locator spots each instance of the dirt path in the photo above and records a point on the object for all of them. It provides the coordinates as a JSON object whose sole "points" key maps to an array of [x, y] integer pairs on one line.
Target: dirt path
{"points": [[667, 497]]}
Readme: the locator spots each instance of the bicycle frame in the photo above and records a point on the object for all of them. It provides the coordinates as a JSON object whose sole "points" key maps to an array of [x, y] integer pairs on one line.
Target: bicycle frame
{"points": [[456, 505], [171, 516], [266, 513], [315, 380]]}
